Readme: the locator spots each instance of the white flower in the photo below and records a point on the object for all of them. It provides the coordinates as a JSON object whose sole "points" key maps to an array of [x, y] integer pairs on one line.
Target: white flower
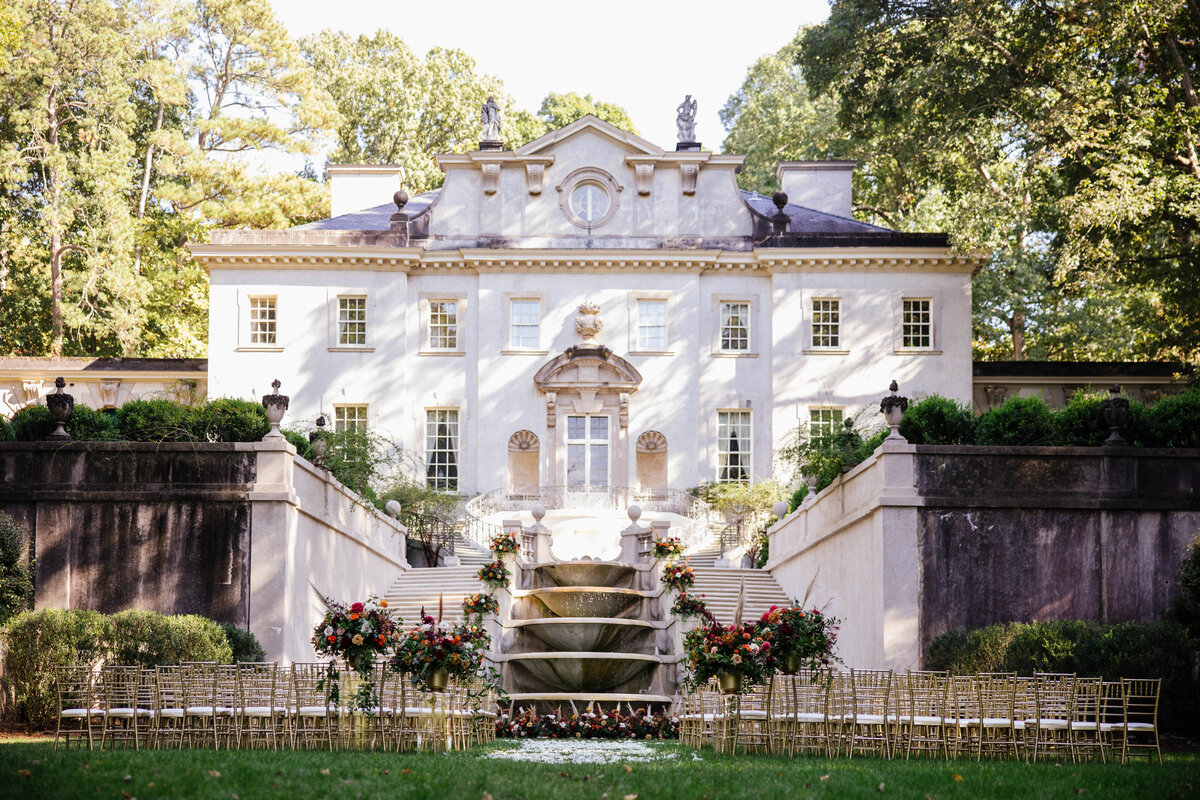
{"points": [[328, 630]]}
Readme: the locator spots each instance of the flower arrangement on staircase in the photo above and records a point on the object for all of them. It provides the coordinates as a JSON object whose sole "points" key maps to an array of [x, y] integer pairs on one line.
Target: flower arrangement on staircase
{"points": [[495, 575], [479, 605], [679, 577], [667, 549], [505, 544], [689, 605]]}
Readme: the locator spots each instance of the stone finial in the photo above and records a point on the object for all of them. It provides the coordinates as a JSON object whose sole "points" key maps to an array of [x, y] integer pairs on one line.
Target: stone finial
{"points": [[1116, 411], [893, 407], [316, 440], [635, 513], [780, 221], [780, 509], [400, 198], [276, 405], [538, 512], [780, 199], [61, 405], [392, 508], [588, 322]]}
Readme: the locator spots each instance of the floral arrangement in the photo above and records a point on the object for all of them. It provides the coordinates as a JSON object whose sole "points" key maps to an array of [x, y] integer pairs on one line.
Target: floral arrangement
{"points": [[588, 725], [667, 548], [495, 575], [678, 577], [433, 646], [688, 605], [479, 604], [359, 632], [739, 649], [505, 543], [799, 639]]}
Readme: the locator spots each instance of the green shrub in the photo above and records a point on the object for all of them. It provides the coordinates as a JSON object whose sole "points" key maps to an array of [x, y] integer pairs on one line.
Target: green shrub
{"points": [[938, 420], [1015, 422], [228, 419], [1174, 421], [797, 498], [299, 441], [5, 430], [39, 641], [146, 639], [157, 421], [31, 424], [1081, 423], [243, 643], [1187, 602], [16, 582]]}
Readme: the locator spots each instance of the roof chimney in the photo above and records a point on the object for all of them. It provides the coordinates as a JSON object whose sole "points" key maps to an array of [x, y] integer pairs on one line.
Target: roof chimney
{"points": [[820, 185], [357, 186]]}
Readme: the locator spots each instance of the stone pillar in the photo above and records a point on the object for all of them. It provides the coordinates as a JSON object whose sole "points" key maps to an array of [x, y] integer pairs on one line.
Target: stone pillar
{"points": [[631, 535], [542, 537]]}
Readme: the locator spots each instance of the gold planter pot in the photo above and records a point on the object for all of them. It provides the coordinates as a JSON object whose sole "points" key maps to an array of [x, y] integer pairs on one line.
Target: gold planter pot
{"points": [[438, 679], [730, 682]]}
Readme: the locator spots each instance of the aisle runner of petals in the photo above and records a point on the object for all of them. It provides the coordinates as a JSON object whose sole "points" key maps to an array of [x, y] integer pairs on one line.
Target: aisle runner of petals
{"points": [[560, 751]]}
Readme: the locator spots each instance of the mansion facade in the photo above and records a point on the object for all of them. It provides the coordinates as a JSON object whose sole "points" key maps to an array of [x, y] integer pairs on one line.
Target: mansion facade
{"points": [[588, 309]]}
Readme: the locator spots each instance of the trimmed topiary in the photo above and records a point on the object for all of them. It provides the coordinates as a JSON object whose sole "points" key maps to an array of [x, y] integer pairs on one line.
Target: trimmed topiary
{"points": [[938, 420], [36, 643], [1174, 421], [243, 643], [299, 441], [228, 419], [157, 421], [1018, 421], [146, 639], [31, 424]]}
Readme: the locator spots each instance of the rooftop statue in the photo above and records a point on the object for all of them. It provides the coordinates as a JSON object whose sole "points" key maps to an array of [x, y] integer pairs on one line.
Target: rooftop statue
{"points": [[686, 121], [490, 120]]}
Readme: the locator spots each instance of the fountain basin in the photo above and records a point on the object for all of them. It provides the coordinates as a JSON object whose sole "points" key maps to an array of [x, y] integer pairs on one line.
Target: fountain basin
{"points": [[584, 633], [588, 573], [587, 601], [584, 672]]}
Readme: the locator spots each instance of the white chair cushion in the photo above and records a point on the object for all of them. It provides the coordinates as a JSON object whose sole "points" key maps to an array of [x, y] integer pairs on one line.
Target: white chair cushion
{"points": [[1140, 726], [200, 711], [311, 711], [74, 713], [259, 711], [1083, 726], [754, 715], [1047, 724], [927, 721], [171, 713]]}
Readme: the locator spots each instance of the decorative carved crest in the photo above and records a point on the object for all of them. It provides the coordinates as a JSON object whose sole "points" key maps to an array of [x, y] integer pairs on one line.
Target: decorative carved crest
{"points": [[588, 322], [523, 441], [651, 442]]}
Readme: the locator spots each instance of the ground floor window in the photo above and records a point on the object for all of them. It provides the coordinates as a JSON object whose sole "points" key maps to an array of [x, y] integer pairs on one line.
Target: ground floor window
{"points": [[823, 424], [587, 450], [349, 416], [441, 448], [733, 446]]}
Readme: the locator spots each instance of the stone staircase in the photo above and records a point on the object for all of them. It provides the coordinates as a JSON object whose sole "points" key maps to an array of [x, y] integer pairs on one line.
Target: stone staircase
{"points": [[471, 554], [720, 589], [421, 587], [706, 556]]}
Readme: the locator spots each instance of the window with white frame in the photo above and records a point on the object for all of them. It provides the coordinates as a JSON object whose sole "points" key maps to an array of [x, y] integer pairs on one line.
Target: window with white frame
{"points": [[524, 318], [262, 320], [443, 325], [346, 417], [352, 321], [916, 324], [651, 325], [827, 323], [733, 446], [823, 424], [735, 327], [441, 448]]}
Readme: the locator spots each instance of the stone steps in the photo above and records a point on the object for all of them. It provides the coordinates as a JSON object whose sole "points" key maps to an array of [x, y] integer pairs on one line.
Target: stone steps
{"points": [[421, 587], [470, 554], [720, 589]]}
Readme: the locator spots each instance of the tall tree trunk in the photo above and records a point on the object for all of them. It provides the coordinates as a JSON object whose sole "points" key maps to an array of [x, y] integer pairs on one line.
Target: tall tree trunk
{"points": [[146, 168], [1016, 325], [53, 193]]}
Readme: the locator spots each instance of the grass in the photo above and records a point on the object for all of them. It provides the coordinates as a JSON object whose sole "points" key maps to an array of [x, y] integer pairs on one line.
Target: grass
{"points": [[34, 770]]}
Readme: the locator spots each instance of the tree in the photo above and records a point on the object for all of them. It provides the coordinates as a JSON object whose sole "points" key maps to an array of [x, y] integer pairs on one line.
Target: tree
{"points": [[560, 110]]}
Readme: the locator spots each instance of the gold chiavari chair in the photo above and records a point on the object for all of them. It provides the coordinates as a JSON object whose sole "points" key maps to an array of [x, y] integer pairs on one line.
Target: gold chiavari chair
{"points": [[200, 697], [483, 704], [314, 716], [865, 722], [962, 707], [805, 712], [78, 712], [997, 732], [1085, 734], [1049, 728], [1112, 717], [170, 706], [262, 705], [923, 714], [124, 712], [1140, 731], [226, 716], [840, 703], [690, 720], [752, 727]]}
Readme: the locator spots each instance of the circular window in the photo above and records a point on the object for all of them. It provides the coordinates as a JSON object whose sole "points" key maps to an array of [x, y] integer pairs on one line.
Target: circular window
{"points": [[589, 197]]}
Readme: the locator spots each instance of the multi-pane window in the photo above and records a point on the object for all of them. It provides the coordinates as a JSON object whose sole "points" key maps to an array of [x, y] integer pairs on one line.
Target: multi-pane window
{"points": [[587, 450], [262, 320], [735, 326], [651, 324], [524, 318], [349, 416], [733, 446], [443, 325], [352, 321], [826, 323], [823, 423], [917, 323], [441, 448]]}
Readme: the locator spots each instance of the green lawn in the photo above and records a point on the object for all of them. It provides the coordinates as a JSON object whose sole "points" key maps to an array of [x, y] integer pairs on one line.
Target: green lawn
{"points": [[32, 770]]}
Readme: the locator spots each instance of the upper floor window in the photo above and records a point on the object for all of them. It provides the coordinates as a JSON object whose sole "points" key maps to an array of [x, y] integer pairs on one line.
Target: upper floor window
{"points": [[827, 323], [823, 423], [916, 329], [735, 327], [262, 320], [524, 321], [352, 321], [733, 446], [349, 416], [651, 324], [443, 325], [441, 448]]}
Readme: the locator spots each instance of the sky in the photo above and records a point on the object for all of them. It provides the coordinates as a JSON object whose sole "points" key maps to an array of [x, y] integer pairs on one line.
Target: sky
{"points": [[644, 56]]}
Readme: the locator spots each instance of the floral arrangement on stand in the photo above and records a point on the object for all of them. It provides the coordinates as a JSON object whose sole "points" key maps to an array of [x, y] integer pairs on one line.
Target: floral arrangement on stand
{"points": [[734, 654], [495, 575], [479, 604], [433, 652], [588, 725], [799, 639], [504, 544], [679, 577], [668, 548], [689, 605], [359, 633]]}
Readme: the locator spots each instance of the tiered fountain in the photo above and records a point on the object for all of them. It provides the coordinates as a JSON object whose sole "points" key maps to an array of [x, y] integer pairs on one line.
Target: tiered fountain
{"points": [[588, 632]]}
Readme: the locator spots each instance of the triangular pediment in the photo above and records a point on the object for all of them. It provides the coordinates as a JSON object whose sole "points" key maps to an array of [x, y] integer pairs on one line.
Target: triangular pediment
{"points": [[632, 143]]}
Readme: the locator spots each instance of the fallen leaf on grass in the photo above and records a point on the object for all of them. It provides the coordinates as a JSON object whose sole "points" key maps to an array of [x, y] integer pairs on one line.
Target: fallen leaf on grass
{"points": [[882, 787], [325, 771], [487, 796], [387, 772], [24, 773], [629, 797], [233, 796], [127, 796], [214, 773], [409, 772], [824, 777], [349, 781], [957, 778], [628, 768]]}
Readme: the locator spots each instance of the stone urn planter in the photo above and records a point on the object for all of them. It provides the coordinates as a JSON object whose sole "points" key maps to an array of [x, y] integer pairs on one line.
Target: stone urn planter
{"points": [[276, 405], [61, 405]]}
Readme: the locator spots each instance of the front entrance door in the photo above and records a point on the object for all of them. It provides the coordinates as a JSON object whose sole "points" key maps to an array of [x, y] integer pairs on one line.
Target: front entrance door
{"points": [[587, 450]]}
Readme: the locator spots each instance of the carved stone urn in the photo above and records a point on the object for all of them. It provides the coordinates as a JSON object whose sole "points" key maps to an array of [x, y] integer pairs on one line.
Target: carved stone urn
{"points": [[276, 406], [316, 440], [893, 407], [61, 405], [588, 322], [1115, 408]]}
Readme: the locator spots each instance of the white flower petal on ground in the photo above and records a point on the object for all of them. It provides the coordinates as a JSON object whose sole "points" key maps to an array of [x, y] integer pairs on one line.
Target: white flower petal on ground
{"points": [[581, 751]]}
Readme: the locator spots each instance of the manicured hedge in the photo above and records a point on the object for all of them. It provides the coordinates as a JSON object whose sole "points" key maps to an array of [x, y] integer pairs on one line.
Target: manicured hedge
{"points": [[221, 420], [1125, 650], [36, 642]]}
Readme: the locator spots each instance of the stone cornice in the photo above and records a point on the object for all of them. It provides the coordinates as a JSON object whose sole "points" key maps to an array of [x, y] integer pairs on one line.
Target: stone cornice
{"points": [[907, 259], [387, 259]]}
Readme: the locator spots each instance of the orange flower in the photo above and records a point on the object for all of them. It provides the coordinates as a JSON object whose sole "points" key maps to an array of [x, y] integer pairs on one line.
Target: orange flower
{"points": [[354, 616], [383, 604], [332, 638]]}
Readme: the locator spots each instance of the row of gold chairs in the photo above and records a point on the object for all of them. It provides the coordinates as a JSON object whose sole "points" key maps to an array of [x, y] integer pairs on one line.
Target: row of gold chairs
{"points": [[264, 705], [932, 713]]}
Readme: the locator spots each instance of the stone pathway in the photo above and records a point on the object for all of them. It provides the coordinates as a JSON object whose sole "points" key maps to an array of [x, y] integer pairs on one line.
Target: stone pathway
{"points": [[581, 751]]}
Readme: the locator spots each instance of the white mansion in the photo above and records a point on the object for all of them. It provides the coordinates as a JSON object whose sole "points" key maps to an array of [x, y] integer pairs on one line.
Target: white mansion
{"points": [[588, 309]]}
